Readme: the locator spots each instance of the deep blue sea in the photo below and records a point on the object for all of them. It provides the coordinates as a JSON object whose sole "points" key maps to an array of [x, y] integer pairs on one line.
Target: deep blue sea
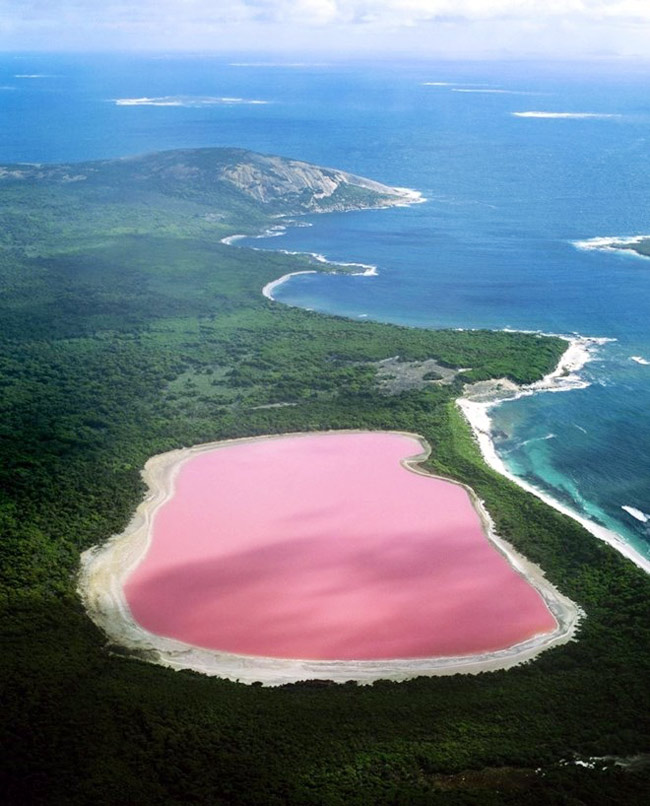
{"points": [[493, 245]]}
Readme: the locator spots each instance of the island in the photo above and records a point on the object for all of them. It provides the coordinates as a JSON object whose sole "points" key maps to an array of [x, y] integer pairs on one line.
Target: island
{"points": [[634, 244], [129, 330]]}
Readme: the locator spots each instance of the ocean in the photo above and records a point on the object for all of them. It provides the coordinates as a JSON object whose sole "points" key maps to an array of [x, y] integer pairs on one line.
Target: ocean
{"points": [[519, 162]]}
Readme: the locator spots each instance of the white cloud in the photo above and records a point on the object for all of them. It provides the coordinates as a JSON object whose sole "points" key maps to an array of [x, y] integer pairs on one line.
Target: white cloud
{"points": [[409, 12], [439, 26], [323, 12]]}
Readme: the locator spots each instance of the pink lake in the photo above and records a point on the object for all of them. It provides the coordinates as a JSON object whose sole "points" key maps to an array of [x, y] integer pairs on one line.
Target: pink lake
{"points": [[325, 547]]}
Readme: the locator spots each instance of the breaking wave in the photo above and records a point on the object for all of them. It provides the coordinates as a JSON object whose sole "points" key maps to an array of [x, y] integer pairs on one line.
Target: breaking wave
{"points": [[566, 115], [636, 513], [187, 101]]}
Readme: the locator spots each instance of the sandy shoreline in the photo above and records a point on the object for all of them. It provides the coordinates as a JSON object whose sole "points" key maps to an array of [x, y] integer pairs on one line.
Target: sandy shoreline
{"points": [[564, 377], [269, 288], [105, 568], [405, 197]]}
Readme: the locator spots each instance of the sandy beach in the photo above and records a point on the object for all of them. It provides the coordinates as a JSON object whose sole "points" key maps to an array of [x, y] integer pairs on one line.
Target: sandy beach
{"points": [[269, 288], [478, 402], [366, 271], [104, 570]]}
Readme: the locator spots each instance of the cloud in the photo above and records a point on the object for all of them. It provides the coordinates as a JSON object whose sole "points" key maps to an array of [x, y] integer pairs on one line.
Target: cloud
{"points": [[320, 12], [410, 12], [276, 24]]}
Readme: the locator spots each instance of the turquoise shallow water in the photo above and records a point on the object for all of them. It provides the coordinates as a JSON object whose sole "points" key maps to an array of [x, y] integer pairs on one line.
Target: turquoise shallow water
{"points": [[492, 246]]}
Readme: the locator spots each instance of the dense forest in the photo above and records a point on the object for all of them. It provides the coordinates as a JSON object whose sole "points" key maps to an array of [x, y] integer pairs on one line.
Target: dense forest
{"points": [[127, 329]]}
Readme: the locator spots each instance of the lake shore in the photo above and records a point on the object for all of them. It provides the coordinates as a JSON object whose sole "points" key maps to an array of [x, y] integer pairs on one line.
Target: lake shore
{"points": [[104, 570]]}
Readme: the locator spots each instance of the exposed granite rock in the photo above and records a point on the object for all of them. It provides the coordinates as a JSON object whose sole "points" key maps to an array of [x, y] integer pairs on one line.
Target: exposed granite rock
{"points": [[270, 179], [285, 185]]}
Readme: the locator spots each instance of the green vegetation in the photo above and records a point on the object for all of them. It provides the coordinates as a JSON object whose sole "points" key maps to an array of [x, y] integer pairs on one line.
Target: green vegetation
{"points": [[432, 376], [126, 330], [642, 247]]}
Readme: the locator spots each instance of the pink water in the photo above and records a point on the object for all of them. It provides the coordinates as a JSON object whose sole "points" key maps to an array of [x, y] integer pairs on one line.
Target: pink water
{"points": [[326, 547]]}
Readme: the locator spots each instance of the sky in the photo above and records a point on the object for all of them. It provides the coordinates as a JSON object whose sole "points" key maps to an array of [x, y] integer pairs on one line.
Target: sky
{"points": [[423, 28]]}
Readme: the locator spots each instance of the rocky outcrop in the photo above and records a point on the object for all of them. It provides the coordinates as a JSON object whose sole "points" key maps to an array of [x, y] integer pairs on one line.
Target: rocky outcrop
{"points": [[271, 179], [205, 174]]}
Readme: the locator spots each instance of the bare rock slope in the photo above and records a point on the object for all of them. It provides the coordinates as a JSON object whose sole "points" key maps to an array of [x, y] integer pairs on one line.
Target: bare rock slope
{"points": [[203, 174], [272, 179]]}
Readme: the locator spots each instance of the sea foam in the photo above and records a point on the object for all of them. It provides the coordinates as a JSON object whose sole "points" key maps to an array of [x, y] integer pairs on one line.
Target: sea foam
{"points": [[565, 115], [279, 64], [530, 441], [611, 243], [494, 91], [636, 513], [186, 100], [410, 197]]}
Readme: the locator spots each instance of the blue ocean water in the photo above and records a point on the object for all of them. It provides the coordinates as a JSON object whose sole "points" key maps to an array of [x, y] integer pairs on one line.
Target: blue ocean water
{"points": [[493, 245]]}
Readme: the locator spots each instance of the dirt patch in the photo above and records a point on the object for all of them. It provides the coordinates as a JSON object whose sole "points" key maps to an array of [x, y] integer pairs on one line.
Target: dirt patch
{"points": [[395, 376]]}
